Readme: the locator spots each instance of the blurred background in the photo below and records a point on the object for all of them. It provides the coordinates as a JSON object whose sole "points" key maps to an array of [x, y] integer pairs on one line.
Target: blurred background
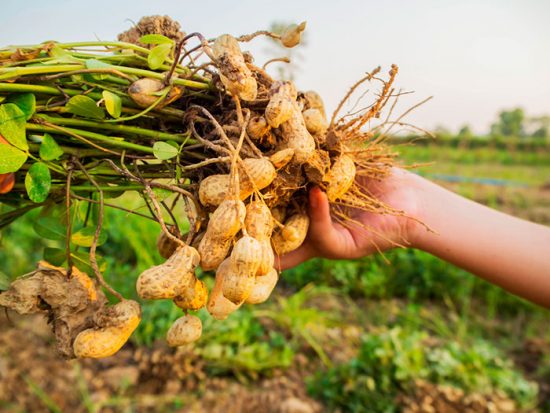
{"points": [[400, 332]]}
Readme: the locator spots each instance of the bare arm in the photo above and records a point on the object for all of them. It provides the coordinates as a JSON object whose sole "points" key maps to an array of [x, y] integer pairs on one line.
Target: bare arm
{"points": [[504, 250]]}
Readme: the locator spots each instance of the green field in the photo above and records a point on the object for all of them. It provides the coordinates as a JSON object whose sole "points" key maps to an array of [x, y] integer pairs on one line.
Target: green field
{"points": [[380, 334]]}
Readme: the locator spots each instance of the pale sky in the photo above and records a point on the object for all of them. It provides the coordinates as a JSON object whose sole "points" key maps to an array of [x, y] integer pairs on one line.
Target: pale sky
{"points": [[474, 57]]}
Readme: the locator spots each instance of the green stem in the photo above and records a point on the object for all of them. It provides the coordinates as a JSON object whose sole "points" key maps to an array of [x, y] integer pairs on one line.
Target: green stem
{"points": [[123, 129], [107, 188], [22, 88], [91, 188], [80, 152], [13, 72], [112, 141]]}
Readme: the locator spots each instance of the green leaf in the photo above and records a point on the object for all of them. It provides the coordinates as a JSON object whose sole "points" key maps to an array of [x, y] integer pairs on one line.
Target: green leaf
{"points": [[55, 256], [11, 158], [49, 227], [85, 237], [12, 125], [163, 150], [24, 101], [49, 149], [81, 260], [97, 64], [38, 182], [4, 282], [155, 39], [85, 106], [158, 55], [113, 103], [61, 56]]}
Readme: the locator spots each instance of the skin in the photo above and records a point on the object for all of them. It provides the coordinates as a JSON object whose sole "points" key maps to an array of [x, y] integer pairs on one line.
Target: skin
{"points": [[504, 250]]}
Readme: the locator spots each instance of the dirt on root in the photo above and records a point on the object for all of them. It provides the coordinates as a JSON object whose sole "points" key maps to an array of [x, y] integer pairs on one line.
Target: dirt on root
{"points": [[70, 303], [163, 25]]}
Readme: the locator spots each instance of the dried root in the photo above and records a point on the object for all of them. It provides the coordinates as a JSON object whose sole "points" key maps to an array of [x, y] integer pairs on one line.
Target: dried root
{"points": [[249, 150]]}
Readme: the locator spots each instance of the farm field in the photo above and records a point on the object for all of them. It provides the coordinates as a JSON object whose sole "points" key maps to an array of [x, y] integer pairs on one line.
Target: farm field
{"points": [[401, 332]]}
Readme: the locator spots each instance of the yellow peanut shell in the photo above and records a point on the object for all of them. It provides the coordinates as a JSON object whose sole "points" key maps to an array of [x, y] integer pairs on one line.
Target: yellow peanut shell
{"points": [[297, 137], [237, 287], [314, 101], [292, 235], [292, 35], [143, 93], [281, 158], [113, 328], [340, 177], [218, 306], [166, 280], [258, 221], [234, 73], [268, 258], [263, 286], [281, 103], [215, 188], [193, 297], [224, 223], [257, 128], [315, 121], [245, 257], [185, 330], [279, 214]]}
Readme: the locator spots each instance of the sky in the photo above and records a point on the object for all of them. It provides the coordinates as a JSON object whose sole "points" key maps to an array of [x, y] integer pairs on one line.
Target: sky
{"points": [[474, 57]]}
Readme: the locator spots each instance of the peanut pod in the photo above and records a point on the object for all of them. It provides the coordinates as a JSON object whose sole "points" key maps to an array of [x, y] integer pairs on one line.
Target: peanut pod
{"points": [[234, 73], [193, 297], [223, 225], [263, 286], [185, 330], [258, 174], [218, 306], [340, 178], [292, 235], [168, 279], [281, 103], [114, 325]]}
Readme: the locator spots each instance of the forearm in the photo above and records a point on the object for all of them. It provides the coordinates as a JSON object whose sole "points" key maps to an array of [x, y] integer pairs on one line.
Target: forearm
{"points": [[504, 250]]}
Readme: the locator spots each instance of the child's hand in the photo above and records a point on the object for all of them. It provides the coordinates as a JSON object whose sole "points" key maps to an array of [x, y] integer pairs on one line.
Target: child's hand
{"points": [[367, 232]]}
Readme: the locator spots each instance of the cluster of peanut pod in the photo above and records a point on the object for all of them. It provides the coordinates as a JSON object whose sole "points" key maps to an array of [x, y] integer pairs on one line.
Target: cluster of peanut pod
{"points": [[257, 145]]}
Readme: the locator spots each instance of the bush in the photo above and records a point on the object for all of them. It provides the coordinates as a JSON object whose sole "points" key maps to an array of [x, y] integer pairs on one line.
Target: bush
{"points": [[405, 273], [390, 361]]}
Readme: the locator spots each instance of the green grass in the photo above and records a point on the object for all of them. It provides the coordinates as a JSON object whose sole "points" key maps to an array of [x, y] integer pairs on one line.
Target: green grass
{"points": [[398, 303]]}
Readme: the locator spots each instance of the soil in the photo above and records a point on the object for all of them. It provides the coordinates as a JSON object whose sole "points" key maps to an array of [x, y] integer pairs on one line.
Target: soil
{"points": [[33, 378]]}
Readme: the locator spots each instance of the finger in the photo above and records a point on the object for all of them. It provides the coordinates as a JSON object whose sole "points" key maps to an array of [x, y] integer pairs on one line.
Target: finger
{"points": [[322, 231], [296, 257], [319, 208]]}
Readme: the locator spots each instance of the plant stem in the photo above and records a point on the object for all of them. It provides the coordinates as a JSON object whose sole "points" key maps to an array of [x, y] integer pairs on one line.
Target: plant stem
{"points": [[80, 152], [123, 129], [13, 72], [23, 88], [113, 141], [107, 188]]}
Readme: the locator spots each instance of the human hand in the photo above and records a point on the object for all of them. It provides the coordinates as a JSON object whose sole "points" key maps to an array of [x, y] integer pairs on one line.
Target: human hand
{"points": [[366, 232]]}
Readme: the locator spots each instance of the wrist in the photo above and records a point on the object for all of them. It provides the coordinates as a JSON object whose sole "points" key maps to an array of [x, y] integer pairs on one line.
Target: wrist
{"points": [[420, 216]]}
